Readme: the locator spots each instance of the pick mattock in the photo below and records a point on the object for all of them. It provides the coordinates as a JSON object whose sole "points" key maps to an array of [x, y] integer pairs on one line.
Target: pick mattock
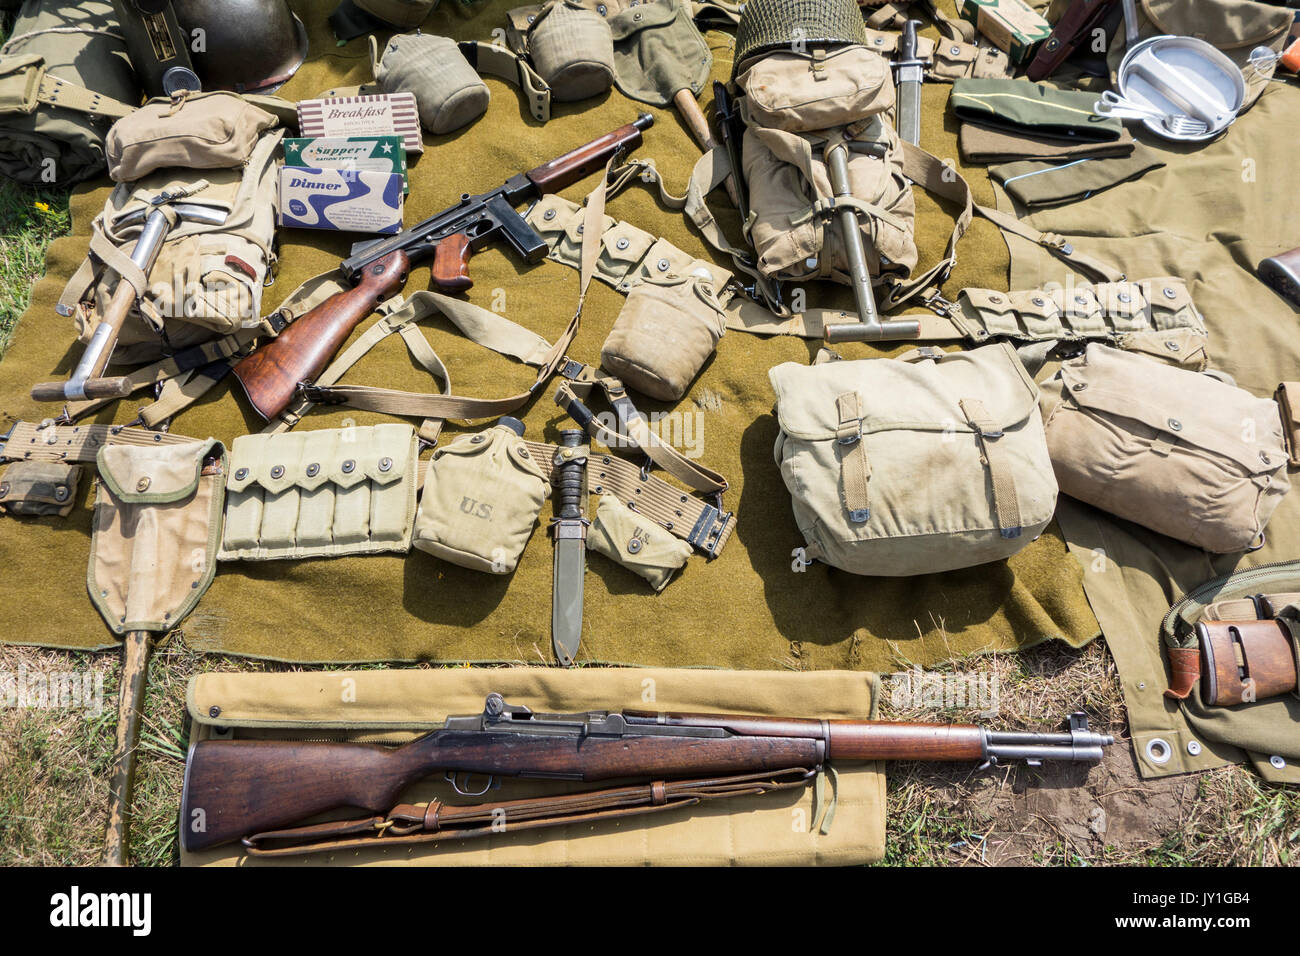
{"points": [[153, 555], [87, 381]]}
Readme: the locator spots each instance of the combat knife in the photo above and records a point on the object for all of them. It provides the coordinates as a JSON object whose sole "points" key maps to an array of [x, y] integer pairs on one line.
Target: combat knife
{"points": [[569, 529]]}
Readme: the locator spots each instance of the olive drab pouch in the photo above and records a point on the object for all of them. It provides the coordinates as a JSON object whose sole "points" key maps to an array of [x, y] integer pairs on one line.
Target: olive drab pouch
{"points": [[39, 488], [667, 329], [641, 546], [155, 502], [657, 49], [210, 273], [1234, 27], [1179, 452], [858, 439], [482, 497], [326, 493], [200, 131], [448, 90], [570, 46]]}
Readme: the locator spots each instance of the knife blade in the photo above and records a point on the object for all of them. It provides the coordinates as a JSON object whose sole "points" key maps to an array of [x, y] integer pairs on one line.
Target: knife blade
{"points": [[569, 530], [908, 75]]}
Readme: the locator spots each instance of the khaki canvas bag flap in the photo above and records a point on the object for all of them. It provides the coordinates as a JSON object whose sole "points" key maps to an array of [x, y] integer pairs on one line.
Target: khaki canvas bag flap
{"points": [[1204, 412], [395, 706], [816, 90], [165, 474], [657, 51], [20, 82]]}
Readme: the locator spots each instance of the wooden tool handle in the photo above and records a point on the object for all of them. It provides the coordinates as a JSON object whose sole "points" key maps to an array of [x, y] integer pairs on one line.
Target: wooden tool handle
{"points": [[135, 669], [693, 116], [95, 388], [270, 375]]}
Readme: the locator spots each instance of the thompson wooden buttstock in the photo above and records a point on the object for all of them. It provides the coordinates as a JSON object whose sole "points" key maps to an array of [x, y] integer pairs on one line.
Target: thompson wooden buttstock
{"points": [[270, 376], [234, 788], [564, 171]]}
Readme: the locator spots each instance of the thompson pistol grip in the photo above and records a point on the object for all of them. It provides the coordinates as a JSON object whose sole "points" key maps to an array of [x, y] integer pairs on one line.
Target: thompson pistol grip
{"points": [[451, 263]]}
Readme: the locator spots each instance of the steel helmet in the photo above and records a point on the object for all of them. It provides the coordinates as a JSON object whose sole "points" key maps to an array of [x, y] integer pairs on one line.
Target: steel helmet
{"points": [[768, 25]]}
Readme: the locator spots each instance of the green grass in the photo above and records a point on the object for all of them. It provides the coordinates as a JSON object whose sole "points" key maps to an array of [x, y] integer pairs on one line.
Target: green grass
{"points": [[29, 220]]}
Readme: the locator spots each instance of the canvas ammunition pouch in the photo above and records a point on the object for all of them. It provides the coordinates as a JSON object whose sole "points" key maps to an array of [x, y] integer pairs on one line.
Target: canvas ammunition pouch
{"points": [[201, 131], [482, 497], [39, 488], [1181, 453], [326, 493], [1234, 27], [208, 279], [668, 328], [570, 46], [641, 546], [155, 501], [448, 90], [64, 79], [854, 436], [947, 60]]}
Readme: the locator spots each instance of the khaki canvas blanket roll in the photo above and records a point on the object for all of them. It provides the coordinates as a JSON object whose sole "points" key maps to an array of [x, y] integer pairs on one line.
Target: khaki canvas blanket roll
{"points": [[779, 828], [749, 608]]}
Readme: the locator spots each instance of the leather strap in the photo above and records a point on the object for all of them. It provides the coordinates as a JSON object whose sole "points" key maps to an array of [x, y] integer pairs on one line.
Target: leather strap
{"points": [[1185, 671], [411, 824]]}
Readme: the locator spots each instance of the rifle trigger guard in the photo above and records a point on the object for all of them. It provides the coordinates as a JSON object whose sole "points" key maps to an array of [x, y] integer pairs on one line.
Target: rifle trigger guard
{"points": [[450, 776]]}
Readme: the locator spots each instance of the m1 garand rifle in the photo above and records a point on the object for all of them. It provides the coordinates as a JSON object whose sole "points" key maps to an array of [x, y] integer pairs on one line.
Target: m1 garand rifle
{"points": [[253, 789], [378, 269]]}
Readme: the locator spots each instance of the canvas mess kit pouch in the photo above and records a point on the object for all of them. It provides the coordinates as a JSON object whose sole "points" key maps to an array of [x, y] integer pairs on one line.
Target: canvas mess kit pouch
{"points": [[858, 439], [841, 821], [322, 493], [376, 154], [1180, 452], [344, 200], [481, 500]]}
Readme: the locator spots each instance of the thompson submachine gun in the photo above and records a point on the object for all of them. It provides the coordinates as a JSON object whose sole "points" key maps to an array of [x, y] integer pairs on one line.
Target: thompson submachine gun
{"points": [[379, 268], [251, 789]]}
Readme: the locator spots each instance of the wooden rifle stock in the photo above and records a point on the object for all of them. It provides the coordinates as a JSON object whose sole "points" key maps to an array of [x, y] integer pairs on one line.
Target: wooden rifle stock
{"points": [[270, 376]]}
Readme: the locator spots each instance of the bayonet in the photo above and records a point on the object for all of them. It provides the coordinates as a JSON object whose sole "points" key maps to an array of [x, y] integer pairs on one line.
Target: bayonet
{"points": [[569, 530], [909, 71]]}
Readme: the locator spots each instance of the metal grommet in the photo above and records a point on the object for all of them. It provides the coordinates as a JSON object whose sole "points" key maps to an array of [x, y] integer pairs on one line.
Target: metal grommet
{"points": [[1175, 424], [142, 484], [1170, 293], [60, 492], [623, 243], [548, 215], [1124, 297], [580, 228], [662, 265], [313, 470], [349, 466], [879, 41], [633, 545], [1173, 346], [1078, 386], [1194, 748], [477, 440], [214, 711], [277, 471], [954, 50], [1158, 750], [385, 464], [241, 474], [1279, 763]]}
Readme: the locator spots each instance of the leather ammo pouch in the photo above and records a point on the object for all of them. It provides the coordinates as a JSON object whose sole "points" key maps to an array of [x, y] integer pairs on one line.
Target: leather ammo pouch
{"points": [[1179, 452], [325, 493], [668, 328], [854, 436], [641, 546], [482, 497], [38, 488], [154, 502], [570, 45], [1246, 661], [766, 819]]}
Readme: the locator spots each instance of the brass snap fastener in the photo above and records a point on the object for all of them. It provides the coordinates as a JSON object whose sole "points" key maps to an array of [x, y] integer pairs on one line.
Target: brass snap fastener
{"points": [[523, 453], [142, 484], [313, 470], [880, 41], [662, 265], [385, 464], [241, 474], [633, 545], [349, 466], [548, 215], [60, 492], [601, 9], [277, 471], [214, 711], [1170, 293], [1263, 456], [1175, 424], [1173, 346], [953, 51], [995, 299], [1078, 386], [532, 17], [1038, 301], [623, 243], [1124, 297]]}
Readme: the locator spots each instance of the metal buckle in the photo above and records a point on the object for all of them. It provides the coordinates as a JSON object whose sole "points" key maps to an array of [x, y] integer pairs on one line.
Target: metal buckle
{"points": [[937, 304], [318, 395], [708, 529]]}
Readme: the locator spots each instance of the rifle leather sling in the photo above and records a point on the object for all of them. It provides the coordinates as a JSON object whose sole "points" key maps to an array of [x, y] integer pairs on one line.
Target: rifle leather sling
{"points": [[434, 822]]}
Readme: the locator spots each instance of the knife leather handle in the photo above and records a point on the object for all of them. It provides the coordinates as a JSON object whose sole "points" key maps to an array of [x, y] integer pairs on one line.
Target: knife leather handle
{"points": [[568, 478]]}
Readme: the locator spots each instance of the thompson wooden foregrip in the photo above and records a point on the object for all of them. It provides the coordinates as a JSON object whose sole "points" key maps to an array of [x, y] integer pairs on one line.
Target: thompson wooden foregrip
{"points": [[270, 376], [564, 171]]}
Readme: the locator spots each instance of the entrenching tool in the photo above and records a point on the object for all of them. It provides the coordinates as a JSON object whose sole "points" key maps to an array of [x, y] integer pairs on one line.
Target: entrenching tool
{"points": [[152, 558], [86, 382], [569, 529], [869, 327]]}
